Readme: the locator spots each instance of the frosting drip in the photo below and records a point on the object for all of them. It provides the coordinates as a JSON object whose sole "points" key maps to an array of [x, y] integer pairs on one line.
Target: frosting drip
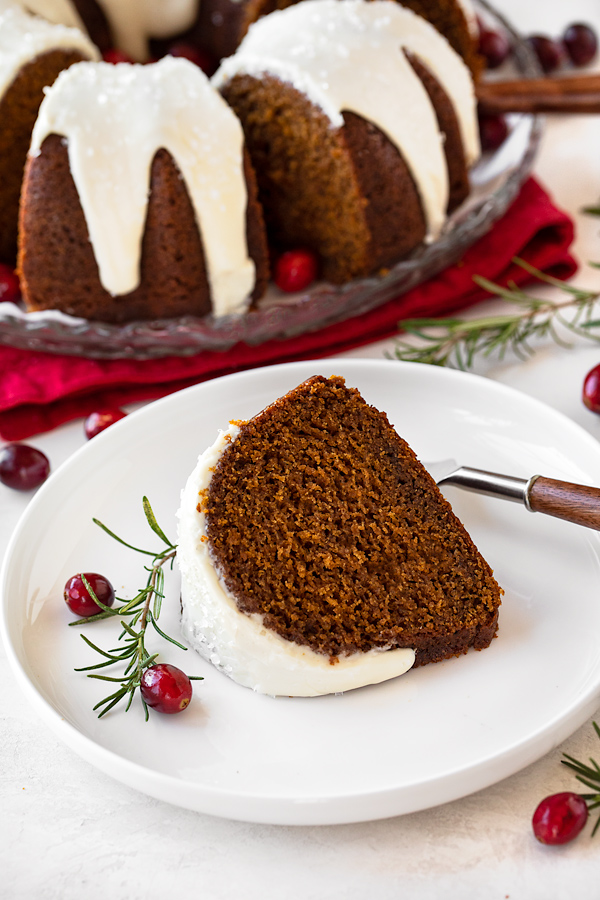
{"points": [[115, 118], [239, 644], [346, 55], [59, 12], [133, 22], [23, 37], [470, 15]]}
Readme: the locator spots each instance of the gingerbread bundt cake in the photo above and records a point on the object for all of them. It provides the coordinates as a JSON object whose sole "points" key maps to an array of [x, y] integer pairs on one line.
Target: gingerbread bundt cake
{"points": [[359, 158], [138, 200], [361, 124], [318, 555], [32, 53]]}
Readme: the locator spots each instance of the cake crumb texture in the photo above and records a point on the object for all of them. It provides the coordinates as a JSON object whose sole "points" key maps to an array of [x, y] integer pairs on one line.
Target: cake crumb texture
{"points": [[321, 519]]}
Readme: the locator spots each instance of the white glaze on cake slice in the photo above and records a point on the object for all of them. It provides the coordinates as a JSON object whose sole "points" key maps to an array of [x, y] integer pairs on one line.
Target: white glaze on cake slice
{"points": [[24, 37], [239, 644]]}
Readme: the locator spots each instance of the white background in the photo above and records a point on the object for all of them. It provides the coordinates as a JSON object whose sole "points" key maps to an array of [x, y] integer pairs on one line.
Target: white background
{"points": [[69, 831]]}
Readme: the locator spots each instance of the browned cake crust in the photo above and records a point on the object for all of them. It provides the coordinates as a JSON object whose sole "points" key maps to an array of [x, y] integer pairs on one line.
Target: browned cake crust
{"points": [[56, 259], [321, 519], [307, 184], [223, 23], [18, 111], [458, 173], [97, 26], [345, 193], [449, 19]]}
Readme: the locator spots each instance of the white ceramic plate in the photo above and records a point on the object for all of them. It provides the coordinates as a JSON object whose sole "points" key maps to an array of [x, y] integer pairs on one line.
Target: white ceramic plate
{"points": [[433, 735]]}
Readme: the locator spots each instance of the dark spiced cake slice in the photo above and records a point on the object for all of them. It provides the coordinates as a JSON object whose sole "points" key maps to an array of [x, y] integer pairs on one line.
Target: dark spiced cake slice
{"points": [[318, 555]]}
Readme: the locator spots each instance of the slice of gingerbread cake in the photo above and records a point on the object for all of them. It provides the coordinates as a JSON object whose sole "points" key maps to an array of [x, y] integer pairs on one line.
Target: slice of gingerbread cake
{"points": [[318, 555]]}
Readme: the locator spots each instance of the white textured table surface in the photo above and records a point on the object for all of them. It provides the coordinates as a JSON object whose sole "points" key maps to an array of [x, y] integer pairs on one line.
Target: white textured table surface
{"points": [[69, 831]]}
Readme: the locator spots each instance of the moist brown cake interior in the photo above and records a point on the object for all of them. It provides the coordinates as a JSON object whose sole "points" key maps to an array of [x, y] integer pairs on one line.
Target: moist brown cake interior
{"points": [[306, 182], [57, 266], [18, 111], [321, 519]]}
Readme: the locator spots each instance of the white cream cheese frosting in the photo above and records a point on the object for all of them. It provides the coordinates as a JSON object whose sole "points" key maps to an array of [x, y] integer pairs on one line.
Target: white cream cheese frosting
{"points": [[114, 119], [239, 644], [59, 12], [347, 55], [134, 22], [23, 37]]}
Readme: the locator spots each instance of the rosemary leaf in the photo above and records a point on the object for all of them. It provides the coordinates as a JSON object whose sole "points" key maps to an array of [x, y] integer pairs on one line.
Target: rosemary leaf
{"points": [[120, 540], [98, 650], [118, 695], [165, 636], [151, 518], [106, 678], [142, 610], [589, 775], [458, 342]]}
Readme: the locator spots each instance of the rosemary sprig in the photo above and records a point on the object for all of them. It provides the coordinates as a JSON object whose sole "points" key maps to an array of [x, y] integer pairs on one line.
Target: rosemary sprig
{"points": [[590, 777], [456, 342], [142, 610]]}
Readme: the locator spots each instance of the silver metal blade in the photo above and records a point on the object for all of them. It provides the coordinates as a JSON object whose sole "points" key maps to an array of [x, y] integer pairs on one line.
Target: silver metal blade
{"points": [[441, 469], [447, 471]]}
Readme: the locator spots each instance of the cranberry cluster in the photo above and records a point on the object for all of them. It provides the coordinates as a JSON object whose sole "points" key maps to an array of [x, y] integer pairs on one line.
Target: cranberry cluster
{"points": [[577, 46], [163, 687], [180, 49]]}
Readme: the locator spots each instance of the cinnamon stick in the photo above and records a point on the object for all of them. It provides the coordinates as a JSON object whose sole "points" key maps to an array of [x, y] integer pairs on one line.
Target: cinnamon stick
{"points": [[570, 94]]}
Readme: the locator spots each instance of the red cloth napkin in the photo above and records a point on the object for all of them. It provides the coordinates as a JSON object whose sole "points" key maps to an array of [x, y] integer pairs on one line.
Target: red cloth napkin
{"points": [[39, 391]]}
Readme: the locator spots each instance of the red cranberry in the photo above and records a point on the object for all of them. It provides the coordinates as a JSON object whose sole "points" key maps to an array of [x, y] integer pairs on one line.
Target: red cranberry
{"points": [[166, 688], [116, 56], [199, 57], [99, 421], [295, 270], [78, 598], [559, 818], [591, 389], [10, 290], [494, 47], [548, 52], [580, 43], [23, 467], [493, 131]]}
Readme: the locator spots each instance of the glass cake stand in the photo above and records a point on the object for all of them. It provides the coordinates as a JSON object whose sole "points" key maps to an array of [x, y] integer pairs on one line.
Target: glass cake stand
{"points": [[495, 180]]}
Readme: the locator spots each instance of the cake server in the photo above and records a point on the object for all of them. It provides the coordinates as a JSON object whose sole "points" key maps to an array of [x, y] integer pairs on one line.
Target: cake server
{"points": [[576, 503]]}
